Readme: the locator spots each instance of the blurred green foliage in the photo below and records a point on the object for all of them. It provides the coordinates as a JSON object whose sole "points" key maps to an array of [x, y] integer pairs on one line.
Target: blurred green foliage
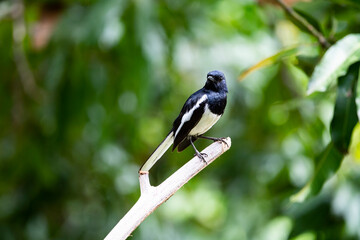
{"points": [[90, 88]]}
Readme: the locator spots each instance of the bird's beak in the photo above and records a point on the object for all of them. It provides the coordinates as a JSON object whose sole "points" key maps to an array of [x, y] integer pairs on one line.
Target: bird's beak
{"points": [[211, 78]]}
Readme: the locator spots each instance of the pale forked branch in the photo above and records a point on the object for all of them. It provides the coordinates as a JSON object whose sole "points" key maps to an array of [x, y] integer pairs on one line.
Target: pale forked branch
{"points": [[152, 197]]}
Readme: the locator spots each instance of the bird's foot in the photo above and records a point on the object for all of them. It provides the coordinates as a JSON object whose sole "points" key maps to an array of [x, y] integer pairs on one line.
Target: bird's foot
{"points": [[222, 139], [202, 156]]}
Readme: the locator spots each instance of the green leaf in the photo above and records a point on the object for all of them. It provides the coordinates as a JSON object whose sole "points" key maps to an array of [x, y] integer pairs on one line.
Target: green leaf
{"points": [[350, 3], [327, 164], [357, 98], [335, 62], [345, 117], [341, 128], [282, 54], [299, 78]]}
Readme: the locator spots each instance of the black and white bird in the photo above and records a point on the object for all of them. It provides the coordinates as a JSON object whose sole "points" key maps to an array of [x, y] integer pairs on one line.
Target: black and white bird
{"points": [[199, 113]]}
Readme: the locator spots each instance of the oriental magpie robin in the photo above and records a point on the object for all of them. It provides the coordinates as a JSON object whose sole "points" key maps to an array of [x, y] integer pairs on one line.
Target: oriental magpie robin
{"points": [[199, 113]]}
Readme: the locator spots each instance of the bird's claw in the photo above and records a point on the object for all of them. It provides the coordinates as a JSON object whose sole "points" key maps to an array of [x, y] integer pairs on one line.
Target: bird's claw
{"points": [[202, 156], [222, 139]]}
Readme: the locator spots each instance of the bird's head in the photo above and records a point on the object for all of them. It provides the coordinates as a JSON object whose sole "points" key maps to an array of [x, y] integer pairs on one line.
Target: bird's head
{"points": [[216, 81]]}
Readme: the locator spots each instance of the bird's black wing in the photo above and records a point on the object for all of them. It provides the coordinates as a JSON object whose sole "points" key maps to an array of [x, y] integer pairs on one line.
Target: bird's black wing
{"points": [[185, 143], [189, 116]]}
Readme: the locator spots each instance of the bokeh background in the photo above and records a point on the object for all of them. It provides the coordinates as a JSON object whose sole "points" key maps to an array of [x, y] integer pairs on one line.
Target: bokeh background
{"points": [[88, 89]]}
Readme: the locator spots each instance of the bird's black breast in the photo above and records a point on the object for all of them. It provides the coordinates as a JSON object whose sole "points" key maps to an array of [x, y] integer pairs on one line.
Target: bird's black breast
{"points": [[217, 102]]}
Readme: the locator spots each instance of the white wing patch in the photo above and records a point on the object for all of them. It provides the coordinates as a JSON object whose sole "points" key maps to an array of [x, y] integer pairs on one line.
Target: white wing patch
{"points": [[187, 116], [206, 122]]}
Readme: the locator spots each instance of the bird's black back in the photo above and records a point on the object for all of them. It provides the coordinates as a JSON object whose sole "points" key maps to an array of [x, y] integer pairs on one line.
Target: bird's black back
{"points": [[195, 117]]}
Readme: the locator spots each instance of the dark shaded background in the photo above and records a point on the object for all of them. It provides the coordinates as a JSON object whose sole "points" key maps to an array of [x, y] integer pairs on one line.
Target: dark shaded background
{"points": [[90, 88]]}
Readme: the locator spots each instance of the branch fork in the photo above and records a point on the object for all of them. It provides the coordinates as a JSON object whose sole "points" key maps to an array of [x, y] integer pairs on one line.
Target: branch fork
{"points": [[152, 197]]}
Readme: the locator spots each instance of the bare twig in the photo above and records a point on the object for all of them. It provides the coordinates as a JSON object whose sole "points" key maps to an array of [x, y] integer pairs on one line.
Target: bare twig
{"points": [[321, 38], [152, 197]]}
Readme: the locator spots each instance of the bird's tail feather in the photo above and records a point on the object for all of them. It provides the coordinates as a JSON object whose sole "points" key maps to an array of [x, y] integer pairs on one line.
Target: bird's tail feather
{"points": [[159, 151]]}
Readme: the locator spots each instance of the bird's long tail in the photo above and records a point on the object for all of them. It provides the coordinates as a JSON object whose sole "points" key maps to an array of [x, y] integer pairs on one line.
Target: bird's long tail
{"points": [[159, 151]]}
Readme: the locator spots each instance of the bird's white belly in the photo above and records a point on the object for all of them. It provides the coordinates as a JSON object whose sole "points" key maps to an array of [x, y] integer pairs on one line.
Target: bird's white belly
{"points": [[206, 122]]}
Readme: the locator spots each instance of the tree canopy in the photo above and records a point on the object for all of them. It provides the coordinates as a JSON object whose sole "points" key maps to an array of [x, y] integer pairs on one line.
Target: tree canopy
{"points": [[90, 88]]}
